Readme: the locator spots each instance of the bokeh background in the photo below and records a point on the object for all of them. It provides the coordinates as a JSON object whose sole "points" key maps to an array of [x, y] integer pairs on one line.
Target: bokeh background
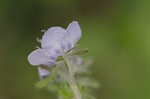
{"points": [[117, 32]]}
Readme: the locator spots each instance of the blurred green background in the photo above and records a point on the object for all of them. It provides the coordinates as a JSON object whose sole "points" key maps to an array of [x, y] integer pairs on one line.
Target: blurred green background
{"points": [[116, 31]]}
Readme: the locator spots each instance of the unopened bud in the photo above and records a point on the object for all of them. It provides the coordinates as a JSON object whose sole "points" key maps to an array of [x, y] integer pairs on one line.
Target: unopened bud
{"points": [[80, 51]]}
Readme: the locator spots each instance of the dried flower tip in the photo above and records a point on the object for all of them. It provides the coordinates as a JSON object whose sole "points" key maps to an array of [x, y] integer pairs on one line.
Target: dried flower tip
{"points": [[43, 31], [37, 47], [38, 40]]}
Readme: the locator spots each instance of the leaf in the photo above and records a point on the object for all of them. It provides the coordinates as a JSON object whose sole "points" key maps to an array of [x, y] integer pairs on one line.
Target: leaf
{"points": [[65, 91], [86, 93], [62, 90], [83, 68], [85, 82], [88, 96]]}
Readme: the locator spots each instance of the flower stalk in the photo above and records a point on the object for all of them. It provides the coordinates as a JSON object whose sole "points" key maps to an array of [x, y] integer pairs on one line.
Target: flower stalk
{"points": [[72, 81]]}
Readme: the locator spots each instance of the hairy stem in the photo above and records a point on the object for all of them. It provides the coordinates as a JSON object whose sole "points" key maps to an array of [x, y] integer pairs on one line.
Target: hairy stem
{"points": [[72, 82]]}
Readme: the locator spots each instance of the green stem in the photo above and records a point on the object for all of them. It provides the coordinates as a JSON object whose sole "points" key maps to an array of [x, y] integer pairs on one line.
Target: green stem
{"points": [[72, 82]]}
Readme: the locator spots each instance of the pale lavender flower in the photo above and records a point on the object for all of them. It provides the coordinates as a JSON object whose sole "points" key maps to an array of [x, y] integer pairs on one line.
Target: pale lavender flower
{"points": [[55, 42], [43, 73]]}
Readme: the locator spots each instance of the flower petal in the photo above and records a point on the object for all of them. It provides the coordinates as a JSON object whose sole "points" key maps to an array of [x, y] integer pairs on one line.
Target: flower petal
{"points": [[52, 53], [43, 73], [37, 57], [74, 32], [53, 37]]}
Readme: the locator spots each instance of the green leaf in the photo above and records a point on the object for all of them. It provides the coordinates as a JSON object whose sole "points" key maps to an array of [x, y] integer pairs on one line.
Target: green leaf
{"points": [[83, 68], [85, 82], [65, 91], [88, 96]]}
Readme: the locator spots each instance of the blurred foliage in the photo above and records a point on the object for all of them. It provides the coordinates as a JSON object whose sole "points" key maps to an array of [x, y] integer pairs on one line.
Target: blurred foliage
{"points": [[69, 68], [116, 31]]}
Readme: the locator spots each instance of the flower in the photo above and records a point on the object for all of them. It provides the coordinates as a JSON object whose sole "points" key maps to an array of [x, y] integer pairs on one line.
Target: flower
{"points": [[43, 73], [55, 42]]}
